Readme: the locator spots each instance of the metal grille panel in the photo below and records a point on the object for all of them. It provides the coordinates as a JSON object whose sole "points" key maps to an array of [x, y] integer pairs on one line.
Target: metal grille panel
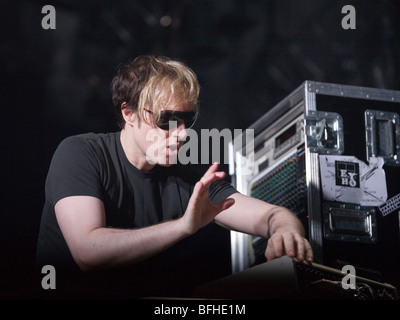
{"points": [[285, 185]]}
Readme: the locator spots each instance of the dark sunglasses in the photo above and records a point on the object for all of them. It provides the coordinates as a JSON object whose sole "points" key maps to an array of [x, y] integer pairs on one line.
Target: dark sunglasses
{"points": [[189, 118]]}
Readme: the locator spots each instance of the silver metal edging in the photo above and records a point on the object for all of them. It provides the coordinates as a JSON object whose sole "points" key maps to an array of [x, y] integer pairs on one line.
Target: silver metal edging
{"points": [[349, 91], [313, 183]]}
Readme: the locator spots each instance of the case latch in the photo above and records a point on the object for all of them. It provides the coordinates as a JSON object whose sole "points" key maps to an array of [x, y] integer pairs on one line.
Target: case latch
{"points": [[382, 134], [349, 222], [324, 132]]}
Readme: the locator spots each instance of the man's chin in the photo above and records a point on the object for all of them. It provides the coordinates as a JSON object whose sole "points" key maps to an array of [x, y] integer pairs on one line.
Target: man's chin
{"points": [[168, 162], [166, 165]]}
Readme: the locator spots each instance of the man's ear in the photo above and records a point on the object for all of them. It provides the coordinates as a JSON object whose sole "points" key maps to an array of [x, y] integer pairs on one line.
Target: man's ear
{"points": [[129, 115]]}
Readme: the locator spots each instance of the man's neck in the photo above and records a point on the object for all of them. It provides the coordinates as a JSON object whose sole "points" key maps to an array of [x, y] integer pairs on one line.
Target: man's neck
{"points": [[133, 153]]}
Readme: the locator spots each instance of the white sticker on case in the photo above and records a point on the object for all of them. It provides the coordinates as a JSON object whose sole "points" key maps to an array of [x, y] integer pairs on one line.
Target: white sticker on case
{"points": [[348, 179]]}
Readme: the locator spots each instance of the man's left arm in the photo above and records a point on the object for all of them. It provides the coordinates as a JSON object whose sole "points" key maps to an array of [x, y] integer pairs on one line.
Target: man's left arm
{"points": [[284, 231]]}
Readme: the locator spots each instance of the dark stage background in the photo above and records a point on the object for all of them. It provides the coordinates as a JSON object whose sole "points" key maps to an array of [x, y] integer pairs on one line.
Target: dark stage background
{"points": [[248, 56]]}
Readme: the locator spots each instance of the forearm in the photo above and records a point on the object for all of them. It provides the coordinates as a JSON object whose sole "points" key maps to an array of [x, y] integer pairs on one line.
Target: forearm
{"points": [[110, 247], [258, 218], [82, 220], [284, 231]]}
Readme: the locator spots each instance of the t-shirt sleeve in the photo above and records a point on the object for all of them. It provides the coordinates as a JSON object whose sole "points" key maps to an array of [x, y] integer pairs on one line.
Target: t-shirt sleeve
{"points": [[220, 190], [74, 170]]}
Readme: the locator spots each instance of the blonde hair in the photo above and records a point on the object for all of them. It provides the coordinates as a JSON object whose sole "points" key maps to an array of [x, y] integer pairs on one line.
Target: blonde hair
{"points": [[153, 82]]}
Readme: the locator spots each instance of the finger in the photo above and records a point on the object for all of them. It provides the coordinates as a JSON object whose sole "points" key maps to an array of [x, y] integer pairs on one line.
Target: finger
{"points": [[221, 206], [303, 248], [197, 191], [309, 252], [226, 204], [212, 177], [300, 252], [204, 183], [270, 253], [213, 168], [289, 245], [274, 247]]}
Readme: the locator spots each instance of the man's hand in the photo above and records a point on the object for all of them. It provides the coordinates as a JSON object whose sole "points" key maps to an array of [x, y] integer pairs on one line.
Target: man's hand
{"points": [[291, 244], [201, 210]]}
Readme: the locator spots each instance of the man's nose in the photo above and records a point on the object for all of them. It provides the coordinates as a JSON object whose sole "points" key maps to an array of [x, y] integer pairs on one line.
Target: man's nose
{"points": [[182, 132]]}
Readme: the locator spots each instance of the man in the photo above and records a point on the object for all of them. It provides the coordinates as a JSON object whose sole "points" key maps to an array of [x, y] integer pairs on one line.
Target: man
{"points": [[116, 201]]}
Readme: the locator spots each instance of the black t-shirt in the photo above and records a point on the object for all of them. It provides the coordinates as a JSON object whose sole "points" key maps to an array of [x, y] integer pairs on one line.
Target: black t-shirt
{"points": [[96, 165]]}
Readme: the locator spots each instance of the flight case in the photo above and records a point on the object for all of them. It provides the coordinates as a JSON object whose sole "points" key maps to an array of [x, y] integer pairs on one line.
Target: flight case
{"points": [[331, 154]]}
